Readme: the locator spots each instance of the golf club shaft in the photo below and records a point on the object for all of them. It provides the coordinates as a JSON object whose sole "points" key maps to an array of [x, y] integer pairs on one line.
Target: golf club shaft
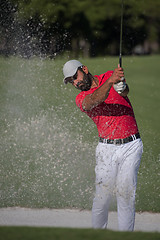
{"points": [[121, 33]]}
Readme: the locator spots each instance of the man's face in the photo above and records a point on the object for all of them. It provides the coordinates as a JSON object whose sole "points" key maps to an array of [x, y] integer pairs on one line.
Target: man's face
{"points": [[82, 81]]}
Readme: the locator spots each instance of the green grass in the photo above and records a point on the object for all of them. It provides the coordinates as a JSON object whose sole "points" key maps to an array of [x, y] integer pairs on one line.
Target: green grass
{"points": [[31, 233], [48, 146]]}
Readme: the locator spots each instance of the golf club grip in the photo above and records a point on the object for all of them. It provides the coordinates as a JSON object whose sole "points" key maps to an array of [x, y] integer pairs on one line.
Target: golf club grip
{"points": [[120, 61]]}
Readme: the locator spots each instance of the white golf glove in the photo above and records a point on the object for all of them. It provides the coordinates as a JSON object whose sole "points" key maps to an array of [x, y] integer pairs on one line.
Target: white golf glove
{"points": [[120, 87]]}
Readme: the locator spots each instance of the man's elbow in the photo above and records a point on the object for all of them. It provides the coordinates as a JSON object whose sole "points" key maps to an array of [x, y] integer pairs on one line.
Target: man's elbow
{"points": [[86, 107]]}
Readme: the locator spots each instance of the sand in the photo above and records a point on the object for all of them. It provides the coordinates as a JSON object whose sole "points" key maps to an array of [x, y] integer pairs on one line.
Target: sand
{"points": [[71, 218]]}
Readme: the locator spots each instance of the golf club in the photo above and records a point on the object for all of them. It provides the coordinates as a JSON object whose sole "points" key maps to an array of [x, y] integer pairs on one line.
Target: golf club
{"points": [[121, 33]]}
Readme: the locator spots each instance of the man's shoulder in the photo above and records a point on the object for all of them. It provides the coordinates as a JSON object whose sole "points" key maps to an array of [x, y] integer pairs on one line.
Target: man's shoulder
{"points": [[104, 76], [82, 95]]}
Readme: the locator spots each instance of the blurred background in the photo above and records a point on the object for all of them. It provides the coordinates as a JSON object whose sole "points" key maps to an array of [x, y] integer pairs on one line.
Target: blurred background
{"points": [[78, 28]]}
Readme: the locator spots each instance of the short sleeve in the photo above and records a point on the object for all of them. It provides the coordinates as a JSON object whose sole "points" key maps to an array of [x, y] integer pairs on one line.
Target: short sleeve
{"points": [[79, 99]]}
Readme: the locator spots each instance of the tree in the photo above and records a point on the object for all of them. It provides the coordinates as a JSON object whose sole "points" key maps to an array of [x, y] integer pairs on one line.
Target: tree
{"points": [[86, 26]]}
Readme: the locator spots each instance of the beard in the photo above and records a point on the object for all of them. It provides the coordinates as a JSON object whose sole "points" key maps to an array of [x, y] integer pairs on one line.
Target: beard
{"points": [[86, 83]]}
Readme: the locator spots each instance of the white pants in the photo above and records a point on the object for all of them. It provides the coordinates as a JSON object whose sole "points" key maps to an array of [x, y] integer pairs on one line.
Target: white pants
{"points": [[116, 173]]}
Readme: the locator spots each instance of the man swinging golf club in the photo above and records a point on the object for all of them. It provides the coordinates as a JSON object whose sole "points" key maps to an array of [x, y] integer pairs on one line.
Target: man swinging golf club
{"points": [[104, 99]]}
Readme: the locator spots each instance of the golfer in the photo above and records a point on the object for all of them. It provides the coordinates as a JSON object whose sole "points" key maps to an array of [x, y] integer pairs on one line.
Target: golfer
{"points": [[118, 154]]}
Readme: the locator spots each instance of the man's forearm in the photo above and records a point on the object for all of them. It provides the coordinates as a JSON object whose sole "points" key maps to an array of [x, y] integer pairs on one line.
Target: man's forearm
{"points": [[98, 96]]}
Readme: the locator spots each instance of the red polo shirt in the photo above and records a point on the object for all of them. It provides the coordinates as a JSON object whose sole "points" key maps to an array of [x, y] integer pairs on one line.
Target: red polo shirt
{"points": [[114, 117]]}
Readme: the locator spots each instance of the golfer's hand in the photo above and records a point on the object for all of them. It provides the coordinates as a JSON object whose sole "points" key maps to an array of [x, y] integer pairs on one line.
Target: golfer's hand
{"points": [[117, 76]]}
